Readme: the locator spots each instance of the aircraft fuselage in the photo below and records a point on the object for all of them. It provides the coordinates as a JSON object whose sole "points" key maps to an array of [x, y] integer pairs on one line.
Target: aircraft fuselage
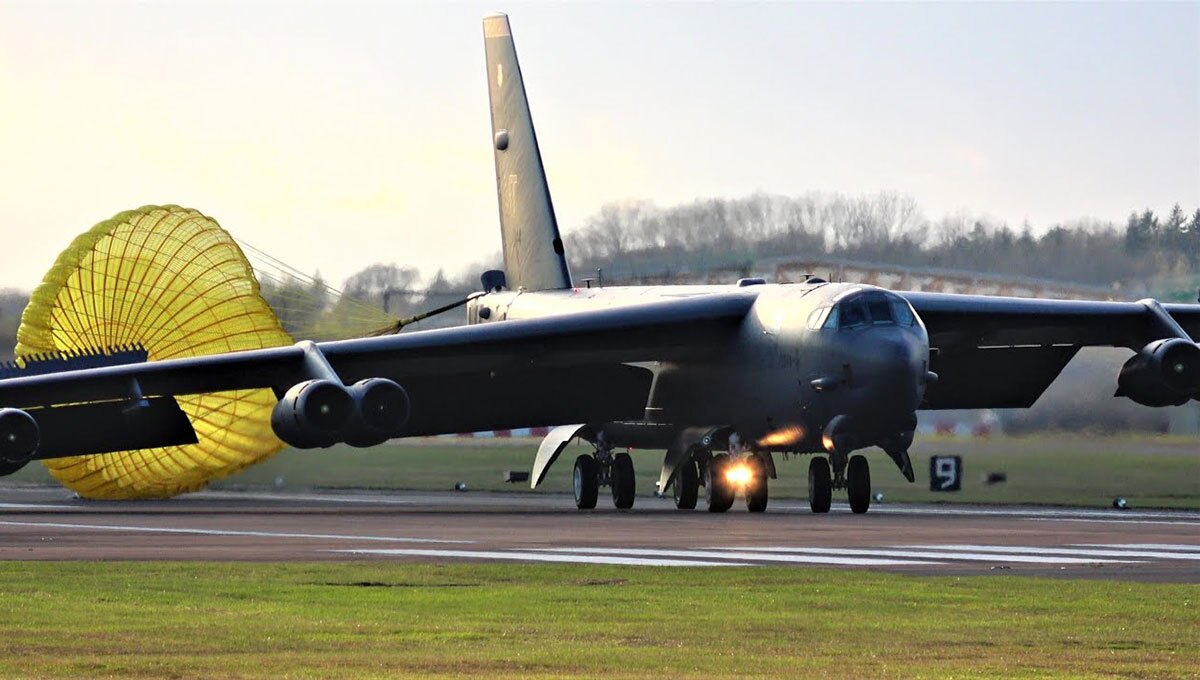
{"points": [[786, 376]]}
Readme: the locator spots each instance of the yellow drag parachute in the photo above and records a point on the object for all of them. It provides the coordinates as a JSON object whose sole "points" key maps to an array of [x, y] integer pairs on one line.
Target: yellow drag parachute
{"points": [[172, 280]]}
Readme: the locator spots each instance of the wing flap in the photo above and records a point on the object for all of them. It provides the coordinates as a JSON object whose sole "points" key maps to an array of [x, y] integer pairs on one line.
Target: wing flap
{"points": [[105, 427], [1008, 377]]}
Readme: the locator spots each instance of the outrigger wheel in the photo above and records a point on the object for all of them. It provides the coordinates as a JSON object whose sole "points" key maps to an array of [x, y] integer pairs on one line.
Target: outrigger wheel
{"points": [[586, 482], [820, 484]]}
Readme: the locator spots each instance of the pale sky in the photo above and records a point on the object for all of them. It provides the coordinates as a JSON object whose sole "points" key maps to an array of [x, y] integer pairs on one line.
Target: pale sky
{"points": [[337, 135]]}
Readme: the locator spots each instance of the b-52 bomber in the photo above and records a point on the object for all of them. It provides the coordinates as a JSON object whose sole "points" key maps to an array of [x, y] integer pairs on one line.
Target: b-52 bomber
{"points": [[719, 377]]}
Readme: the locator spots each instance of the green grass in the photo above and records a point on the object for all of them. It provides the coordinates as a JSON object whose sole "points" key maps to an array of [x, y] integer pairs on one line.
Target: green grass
{"points": [[88, 619], [1048, 469]]}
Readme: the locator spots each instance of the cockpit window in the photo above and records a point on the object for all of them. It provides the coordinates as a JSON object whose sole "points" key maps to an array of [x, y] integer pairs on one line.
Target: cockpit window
{"points": [[880, 309], [870, 309], [902, 312], [831, 321], [854, 314]]}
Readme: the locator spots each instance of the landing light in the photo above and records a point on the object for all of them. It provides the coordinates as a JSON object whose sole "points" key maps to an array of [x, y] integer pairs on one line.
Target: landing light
{"points": [[740, 474]]}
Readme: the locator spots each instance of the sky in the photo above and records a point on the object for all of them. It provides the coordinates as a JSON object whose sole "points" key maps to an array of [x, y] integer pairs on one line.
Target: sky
{"points": [[338, 135]]}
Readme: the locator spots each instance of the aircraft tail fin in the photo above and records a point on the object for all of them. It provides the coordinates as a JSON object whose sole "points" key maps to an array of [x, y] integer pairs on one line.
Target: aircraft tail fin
{"points": [[534, 258]]}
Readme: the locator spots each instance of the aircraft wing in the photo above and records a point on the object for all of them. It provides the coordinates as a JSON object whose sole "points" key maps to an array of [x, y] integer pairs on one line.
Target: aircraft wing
{"points": [[1003, 352], [573, 367]]}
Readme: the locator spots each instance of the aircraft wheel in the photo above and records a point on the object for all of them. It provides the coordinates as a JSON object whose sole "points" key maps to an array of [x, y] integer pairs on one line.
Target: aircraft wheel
{"points": [[858, 484], [756, 492], [687, 486], [717, 490], [820, 485], [586, 482], [622, 481]]}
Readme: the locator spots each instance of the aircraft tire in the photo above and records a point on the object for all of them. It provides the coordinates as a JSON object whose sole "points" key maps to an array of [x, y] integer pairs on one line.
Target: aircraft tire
{"points": [[717, 491], [686, 487], [623, 481], [586, 482], [820, 485], [756, 493], [858, 484]]}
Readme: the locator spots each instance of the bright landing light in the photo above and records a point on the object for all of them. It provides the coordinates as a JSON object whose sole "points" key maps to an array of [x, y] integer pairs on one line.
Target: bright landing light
{"points": [[740, 474]]}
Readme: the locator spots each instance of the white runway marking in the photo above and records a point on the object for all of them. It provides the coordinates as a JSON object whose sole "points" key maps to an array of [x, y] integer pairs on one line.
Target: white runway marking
{"points": [[35, 506], [924, 554], [225, 532], [1173, 523], [747, 554], [1016, 512], [524, 556], [317, 498], [1143, 546], [1095, 551]]}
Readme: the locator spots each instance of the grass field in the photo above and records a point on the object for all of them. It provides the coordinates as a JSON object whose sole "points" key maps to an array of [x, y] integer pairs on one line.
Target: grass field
{"points": [[1051, 469], [87, 619]]}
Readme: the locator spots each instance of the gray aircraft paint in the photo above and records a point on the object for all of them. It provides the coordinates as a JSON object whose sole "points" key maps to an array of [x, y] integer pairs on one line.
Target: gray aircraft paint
{"points": [[533, 251]]}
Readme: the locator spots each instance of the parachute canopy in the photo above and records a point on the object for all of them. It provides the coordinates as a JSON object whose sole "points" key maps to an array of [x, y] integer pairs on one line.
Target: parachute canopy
{"points": [[171, 280]]}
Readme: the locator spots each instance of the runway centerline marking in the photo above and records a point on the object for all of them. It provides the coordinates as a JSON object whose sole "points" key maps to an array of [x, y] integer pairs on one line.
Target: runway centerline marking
{"points": [[1096, 551], [319, 498], [227, 532], [1143, 546], [1174, 523], [1019, 512], [747, 554], [36, 506], [923, 554], [526, 556]]}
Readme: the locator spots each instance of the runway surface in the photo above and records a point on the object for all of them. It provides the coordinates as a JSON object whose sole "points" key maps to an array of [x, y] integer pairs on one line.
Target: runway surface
{"points": [[48, 524]]}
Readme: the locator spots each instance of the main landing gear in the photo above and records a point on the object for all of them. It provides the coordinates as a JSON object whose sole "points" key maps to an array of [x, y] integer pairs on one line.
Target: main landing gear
{"points": [[724, 476], [604, 468], [851, 473]]}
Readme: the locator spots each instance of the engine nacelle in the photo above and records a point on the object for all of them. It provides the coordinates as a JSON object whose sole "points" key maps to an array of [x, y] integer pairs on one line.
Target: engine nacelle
{"points": [[313, 414], [380, 413], [1165, 373], [19, 439]]}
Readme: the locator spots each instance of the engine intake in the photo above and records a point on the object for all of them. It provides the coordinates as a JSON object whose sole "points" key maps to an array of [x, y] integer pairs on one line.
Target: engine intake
{"points": [[380, 413], [313, 414], [1165, 373], [19, 438]]}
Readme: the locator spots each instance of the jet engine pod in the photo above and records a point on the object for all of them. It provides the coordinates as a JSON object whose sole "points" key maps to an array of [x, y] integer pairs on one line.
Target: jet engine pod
{"points": [[19, 439], [381, 411], [1165, 373], [313, 414]]}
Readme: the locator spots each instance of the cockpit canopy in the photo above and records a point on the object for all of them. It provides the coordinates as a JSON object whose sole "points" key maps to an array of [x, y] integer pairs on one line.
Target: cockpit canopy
{"points": [[862, 310]]}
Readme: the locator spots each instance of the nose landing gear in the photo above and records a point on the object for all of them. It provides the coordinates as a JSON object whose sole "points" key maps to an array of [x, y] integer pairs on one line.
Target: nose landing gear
{"points": [[820, 485], [852, 473], [858, 484]]}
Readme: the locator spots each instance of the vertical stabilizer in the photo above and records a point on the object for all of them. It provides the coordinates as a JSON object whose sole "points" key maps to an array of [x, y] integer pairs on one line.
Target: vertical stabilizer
{"points": [[533, 249]]}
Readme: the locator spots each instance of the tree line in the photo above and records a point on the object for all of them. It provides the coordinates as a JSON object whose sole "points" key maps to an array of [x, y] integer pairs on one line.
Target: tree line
{"points": [[640, 239]]}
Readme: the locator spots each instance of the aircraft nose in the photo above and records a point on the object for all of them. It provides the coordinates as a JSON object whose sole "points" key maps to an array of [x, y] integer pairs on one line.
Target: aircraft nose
{"points": [[896, 373]]}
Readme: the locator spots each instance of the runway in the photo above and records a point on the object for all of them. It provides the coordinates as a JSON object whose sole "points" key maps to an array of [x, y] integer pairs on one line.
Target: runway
{"points": [[49, 524]]}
